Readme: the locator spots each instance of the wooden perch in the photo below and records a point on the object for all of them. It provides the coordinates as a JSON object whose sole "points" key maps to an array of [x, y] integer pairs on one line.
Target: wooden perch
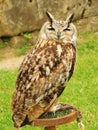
{"points": [[51, 123]]}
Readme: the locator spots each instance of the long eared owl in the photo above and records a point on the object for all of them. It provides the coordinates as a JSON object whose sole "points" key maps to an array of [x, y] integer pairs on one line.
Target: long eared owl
{"points": [[44, 71]]}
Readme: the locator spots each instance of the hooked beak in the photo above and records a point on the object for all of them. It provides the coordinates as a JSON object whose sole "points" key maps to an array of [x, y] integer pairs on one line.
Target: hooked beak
{"points": [[58, 35]]}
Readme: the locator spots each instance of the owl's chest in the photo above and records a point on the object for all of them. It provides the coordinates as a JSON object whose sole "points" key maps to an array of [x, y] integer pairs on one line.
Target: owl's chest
{"points": [[55, 56], [51, 62]]}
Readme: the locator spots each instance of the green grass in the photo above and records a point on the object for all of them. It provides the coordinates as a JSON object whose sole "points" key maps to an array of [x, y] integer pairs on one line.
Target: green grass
{"points": [[81, 91]]}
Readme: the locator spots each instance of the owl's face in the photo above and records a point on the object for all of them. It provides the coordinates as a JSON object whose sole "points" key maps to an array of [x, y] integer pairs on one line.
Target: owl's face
{"points": [[58, 30]]}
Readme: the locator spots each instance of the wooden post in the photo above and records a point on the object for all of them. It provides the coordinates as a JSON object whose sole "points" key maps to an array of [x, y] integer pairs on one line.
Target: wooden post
{"points": [[50, 128]]}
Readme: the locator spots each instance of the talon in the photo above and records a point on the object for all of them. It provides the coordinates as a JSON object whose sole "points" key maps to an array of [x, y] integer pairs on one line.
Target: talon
{"points": [[81, 126]]}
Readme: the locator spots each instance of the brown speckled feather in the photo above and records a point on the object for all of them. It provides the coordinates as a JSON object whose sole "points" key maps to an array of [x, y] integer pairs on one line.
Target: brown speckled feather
{"points": [[42, 78]]}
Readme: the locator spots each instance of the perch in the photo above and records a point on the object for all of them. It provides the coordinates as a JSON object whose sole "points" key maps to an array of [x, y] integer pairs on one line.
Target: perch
{"points": [[51, 123]]}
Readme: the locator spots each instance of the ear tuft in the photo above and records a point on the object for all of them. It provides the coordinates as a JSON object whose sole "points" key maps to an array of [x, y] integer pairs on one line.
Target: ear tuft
{"points": [[50, 17], [69, 18]]}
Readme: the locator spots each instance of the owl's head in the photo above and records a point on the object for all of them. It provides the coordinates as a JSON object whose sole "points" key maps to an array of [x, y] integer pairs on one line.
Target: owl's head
{"points": [[58, 30]]}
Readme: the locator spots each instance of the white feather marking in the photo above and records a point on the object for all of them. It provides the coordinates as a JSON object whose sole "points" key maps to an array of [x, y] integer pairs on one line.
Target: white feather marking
{"points": [[33, 78], [47, 71], [64, 62], [59, 50], [46, 94], [51, 64], [49, 86], [18, 94], [60, 78], [51, 90], [63, 80], [28, 86], [39, 98], [70, 65], [67, 74], [38, 57], [37, 75]]}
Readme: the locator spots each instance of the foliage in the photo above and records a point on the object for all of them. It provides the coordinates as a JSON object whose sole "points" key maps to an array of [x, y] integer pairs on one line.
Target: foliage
{"points": [[27, 35], [3, 44], [81, 91], [23, 49]]}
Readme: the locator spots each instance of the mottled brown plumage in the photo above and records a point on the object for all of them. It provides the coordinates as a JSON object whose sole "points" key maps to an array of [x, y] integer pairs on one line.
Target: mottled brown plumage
{"points": [[42, 78]]}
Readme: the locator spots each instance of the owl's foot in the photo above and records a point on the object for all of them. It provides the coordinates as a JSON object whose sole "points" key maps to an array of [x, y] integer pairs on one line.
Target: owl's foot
{"points": [[16, 128]]}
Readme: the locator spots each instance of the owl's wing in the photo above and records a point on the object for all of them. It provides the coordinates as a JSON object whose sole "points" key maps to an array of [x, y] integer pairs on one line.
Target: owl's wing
{"points": [[42, 76]]}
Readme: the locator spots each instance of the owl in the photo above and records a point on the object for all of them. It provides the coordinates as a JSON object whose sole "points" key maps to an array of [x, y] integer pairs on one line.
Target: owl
{"points": [[45, 71]]}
